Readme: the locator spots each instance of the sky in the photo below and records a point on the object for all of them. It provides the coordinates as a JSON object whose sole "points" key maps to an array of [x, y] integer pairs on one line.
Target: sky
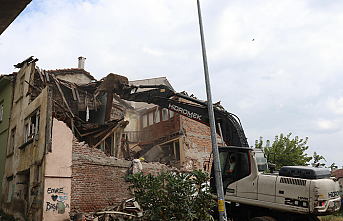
{"points": [[277, 65]]}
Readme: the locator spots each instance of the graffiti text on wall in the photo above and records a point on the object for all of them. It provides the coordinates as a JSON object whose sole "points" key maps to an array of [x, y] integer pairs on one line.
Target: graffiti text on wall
{"points": [[58, 200]]}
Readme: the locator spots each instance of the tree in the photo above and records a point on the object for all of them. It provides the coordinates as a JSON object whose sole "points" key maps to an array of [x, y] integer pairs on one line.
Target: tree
{"points": [[316, 159], [289, 151], [173, 196]]}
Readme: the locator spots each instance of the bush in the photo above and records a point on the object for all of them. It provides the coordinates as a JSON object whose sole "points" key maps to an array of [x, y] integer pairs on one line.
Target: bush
{"points": [[173, 196]]}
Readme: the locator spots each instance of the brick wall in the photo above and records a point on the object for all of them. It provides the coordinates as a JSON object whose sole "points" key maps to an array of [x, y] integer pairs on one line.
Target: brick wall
{"points": [[97, 181], [197, 142]]}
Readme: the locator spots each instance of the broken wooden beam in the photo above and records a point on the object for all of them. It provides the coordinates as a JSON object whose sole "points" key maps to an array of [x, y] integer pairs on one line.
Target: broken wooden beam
{"points": [[122, 123], [61, 92], [108, 106]]}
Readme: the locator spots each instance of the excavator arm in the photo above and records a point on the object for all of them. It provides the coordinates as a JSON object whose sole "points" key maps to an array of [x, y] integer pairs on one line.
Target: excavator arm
{"points": [[227, 123]]}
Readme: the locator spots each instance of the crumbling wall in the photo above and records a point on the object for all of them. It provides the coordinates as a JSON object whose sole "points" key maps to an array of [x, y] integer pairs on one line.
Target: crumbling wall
{"points": [[197, 144], [97, 181], [57, 182]]}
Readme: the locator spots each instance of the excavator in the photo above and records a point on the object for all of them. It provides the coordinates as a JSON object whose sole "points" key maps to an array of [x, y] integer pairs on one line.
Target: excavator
{"points": [[252, 192]]}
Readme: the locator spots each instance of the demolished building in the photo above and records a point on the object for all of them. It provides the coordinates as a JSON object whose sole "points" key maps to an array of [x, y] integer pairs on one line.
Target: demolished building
{"points": [[71, 139]]}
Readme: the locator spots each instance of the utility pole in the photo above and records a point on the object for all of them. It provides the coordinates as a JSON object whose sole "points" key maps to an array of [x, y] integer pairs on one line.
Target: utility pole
{"points": [[216, 163]]}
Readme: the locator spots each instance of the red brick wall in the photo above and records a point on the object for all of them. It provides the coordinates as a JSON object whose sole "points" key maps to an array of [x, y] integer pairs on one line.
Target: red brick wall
{"points": [[197, 143], [95, 186], [97, 181]]}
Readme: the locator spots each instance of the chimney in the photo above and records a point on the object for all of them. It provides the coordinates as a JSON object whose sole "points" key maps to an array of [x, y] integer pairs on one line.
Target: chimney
{"points": [[81, 62]]}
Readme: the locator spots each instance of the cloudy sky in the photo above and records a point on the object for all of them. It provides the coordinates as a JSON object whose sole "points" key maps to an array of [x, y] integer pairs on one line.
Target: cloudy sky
{"points": [[289, 79]]}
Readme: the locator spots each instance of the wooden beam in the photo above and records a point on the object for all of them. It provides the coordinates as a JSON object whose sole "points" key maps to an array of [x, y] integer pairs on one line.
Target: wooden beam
{"points": [[108, 106], [73, 92], [103, 132], [77, 94], [92, 132], [40, 75], [67, 110], [120, 124], [61, 92], [46, 76]]}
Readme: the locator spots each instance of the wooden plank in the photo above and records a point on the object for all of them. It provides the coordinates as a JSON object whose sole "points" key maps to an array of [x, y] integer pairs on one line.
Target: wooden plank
{"points": [[94, 100], [77, 94], [40, 75], [73, 92], [118, 143], [68, 110], [92, 132], [120, 124], [61, 92], [108, 106], [47, 76], [103, 132]]}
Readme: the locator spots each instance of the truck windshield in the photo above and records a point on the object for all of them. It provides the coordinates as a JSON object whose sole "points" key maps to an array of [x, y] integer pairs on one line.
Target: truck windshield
{"points": [[261, 161]]}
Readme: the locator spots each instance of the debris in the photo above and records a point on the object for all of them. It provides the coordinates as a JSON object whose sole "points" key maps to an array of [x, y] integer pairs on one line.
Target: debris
{"points": [[154, 154]]}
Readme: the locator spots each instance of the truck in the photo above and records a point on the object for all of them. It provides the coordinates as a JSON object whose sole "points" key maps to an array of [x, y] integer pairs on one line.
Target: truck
{"points": [[252, 192]]}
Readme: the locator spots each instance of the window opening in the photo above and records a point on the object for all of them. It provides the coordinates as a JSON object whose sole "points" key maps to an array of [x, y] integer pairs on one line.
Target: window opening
{"points": [[151, 118], [1, 111], [32, 127], [12, 140], [171, 114], [157, 116], [165, 113], [145, 120]]}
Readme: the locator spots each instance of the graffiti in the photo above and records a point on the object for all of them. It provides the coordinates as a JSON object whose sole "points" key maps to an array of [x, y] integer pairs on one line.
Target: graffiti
{"points": [[59, 200], [55, 190], [13, 188], [63, 198], [59, 206], [54, 197]]}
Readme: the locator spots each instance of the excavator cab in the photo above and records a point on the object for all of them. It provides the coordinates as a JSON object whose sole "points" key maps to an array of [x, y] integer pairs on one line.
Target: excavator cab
{"points": [[234, 163]]}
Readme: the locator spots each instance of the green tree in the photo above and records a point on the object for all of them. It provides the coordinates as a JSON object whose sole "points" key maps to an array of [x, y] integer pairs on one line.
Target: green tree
{"points": [[173, 196], [316, 159], [289, 151]]}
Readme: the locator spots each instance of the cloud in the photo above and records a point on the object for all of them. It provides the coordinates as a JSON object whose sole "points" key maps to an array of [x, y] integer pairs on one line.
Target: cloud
{"points": [[287, 80]]}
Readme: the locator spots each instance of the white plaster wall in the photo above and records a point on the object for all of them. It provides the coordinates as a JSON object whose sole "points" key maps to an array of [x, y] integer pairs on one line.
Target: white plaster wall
{"points": [[57, 185], [58, 162], [56, 205]]}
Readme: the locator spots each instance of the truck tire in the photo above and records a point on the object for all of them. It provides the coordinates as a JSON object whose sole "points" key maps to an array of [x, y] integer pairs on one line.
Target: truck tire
{"points": [[263, 218]]}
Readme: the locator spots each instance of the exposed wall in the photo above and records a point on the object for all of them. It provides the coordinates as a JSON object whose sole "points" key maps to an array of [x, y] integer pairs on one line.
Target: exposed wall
{"points": [[97, 181], [197, 144], [75, 75], [5, 102], [22, 194], [57, 182]]}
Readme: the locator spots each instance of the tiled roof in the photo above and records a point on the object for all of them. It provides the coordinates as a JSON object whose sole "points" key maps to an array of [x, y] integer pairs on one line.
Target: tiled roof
{"points": [[71, 71], [337, 173]]}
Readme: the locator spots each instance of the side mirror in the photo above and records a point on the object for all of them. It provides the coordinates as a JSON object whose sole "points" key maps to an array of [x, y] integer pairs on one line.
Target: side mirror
{"points": [[271, 167]]}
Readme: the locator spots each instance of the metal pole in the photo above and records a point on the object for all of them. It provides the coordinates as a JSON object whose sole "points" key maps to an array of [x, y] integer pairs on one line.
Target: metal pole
{"points": [[216, 163]]}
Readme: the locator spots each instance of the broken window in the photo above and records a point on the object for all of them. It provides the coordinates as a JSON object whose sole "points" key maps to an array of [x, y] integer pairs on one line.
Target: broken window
{"points": [[165, 116], [12, 141], [32, 126]]}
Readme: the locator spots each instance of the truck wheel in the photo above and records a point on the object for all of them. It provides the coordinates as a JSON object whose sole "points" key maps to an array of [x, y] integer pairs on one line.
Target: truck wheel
{"points": [[263, 218]]}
